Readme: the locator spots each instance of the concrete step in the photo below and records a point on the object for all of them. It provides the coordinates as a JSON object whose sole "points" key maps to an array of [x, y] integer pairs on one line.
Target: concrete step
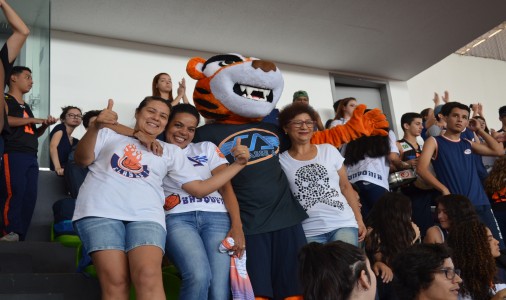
{"points": [[71, 286], [36, 257]]}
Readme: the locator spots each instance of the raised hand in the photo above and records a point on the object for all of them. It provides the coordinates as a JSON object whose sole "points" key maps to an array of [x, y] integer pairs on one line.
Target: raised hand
{"points": [[436, 99], [181, 90], [473, 125], [240, 152], [107, 116], [446, 97]]}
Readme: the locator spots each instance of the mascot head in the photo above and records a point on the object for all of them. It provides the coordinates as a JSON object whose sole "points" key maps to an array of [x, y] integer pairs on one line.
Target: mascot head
{"points": [[234, 89]]}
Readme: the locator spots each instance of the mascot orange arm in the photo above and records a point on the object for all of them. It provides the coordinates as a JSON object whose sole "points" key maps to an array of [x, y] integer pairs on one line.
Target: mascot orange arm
{"points": [[373, 122]]}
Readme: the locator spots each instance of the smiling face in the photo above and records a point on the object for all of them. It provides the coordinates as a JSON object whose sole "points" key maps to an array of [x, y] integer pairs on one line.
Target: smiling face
{"points": [[443, 217], [152, 118], [298, 129], [181, 129], [442, 288]]}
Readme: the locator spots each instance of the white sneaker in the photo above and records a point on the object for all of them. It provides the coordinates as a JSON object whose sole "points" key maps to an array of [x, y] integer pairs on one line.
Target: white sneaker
{"points": [[11, 237]]}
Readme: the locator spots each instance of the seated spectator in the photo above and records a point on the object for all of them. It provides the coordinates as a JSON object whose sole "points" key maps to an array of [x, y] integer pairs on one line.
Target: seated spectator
{"points": [[344, 111], [390, 231], [302, 97], [451, 209], [474, 251], [337, 271], [426, 272], [162, 87], [61, 140], [73, 174]]}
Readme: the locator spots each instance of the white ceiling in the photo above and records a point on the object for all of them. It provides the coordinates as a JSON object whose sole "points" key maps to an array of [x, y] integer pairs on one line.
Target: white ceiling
{"points": [[388, 39]]}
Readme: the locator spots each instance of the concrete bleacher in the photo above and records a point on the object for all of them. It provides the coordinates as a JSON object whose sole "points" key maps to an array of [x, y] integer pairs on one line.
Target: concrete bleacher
{"points": [[38, 268]]}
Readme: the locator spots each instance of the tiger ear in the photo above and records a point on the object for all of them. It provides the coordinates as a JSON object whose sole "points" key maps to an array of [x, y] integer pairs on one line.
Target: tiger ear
{"points": [[194, 68]]}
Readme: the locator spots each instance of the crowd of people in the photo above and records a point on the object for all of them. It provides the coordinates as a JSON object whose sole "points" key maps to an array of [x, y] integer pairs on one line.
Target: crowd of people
{"points": [[359, 216]]}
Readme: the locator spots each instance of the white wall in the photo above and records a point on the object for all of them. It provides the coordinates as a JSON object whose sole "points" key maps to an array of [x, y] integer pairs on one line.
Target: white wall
{"points": [[88, 70], [468, 79]]}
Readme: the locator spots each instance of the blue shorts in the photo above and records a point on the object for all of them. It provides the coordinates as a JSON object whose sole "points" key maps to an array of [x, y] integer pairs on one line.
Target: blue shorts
{"points": [[110, 234]]}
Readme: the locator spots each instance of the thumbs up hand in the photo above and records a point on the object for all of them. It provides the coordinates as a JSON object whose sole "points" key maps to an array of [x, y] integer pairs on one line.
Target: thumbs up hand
{"points": [[107, 116], [240, 152]]}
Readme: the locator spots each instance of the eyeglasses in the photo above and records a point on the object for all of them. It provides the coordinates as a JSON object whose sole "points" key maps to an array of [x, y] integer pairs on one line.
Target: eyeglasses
{"points": [[449, 273], [298, 124], [74, 116]]}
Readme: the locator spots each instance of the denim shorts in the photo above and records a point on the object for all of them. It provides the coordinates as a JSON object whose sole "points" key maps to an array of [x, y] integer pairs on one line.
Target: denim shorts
{"points": [[110, 234]]}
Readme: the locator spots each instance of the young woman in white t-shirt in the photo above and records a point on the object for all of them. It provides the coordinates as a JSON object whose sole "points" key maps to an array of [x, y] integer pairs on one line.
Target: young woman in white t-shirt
{"points": [[196, 226], [318, 180], [119, 214], [344, 111]]}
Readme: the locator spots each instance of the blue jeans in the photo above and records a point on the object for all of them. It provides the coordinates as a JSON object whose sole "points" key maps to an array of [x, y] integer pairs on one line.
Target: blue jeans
{"points": [[346, 234], [192, 244]]}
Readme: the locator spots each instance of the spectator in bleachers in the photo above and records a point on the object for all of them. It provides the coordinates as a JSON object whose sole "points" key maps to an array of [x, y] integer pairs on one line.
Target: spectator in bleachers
{"points": [[337, 271], [195, 227], [318, 180], [389, 231], [420, 194], [344, 110], [502, 131], [495, 187], [426, 272], [474, 252], [119, 211], [302, 97], [61, 140], [486, 161], [8, 54], [426, 114], [450, 210], [73, 174], [162, 87], [19, 178], [368, 161], [454, 165]]}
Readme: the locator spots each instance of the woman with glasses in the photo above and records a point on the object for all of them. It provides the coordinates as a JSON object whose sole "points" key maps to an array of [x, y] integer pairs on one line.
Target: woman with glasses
{"points": [[318, 180], [426, 272], [474, 252], [61, 140]]}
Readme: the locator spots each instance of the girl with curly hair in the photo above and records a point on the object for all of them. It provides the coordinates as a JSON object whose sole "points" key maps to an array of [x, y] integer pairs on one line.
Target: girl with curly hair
{"points": [[390, 230], [474, 250], [451, 209], [495, 187]]}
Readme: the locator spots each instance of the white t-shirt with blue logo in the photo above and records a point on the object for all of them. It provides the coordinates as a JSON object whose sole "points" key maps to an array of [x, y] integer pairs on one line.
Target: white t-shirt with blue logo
{"points": [[203, 158], [125, 180]]}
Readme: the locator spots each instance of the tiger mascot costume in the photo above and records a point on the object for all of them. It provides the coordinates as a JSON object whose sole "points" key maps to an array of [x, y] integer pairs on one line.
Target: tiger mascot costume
{"points": [[237, 92]]}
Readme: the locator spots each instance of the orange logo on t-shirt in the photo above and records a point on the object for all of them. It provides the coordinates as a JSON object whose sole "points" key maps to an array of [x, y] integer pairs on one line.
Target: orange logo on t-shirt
{"points": [[28, 127], [171, 201]]}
